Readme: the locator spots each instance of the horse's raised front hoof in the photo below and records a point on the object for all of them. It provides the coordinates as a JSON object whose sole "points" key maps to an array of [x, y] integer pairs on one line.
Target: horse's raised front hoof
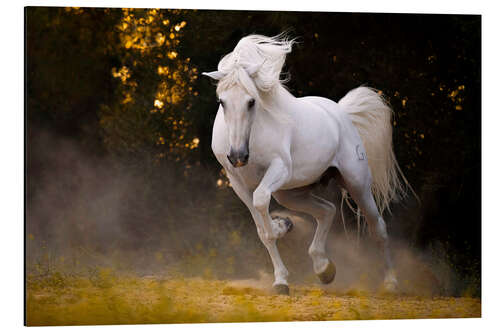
{"points": [[281, 289], [328, 274], [281, 225]]}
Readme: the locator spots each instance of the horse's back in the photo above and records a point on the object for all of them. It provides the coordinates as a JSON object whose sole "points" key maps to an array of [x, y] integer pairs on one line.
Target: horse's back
{"points": [[318, 118], [348, 133], [322, 102]]}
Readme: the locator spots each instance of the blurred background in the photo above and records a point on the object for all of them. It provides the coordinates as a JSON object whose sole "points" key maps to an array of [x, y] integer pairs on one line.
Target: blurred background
{"points": [[119, 169]]}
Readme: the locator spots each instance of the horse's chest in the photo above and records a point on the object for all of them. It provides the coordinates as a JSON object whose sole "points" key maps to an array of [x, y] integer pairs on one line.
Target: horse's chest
{"points": [[251, 174]]}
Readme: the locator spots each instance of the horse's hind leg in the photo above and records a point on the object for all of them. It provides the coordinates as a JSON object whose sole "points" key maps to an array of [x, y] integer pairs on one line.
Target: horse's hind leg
{"points": [[359, 187], [303, 200]]}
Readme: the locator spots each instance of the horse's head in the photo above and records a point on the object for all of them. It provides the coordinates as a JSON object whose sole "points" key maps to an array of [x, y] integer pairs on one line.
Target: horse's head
{"points": [[245, 75], [239, 107]]}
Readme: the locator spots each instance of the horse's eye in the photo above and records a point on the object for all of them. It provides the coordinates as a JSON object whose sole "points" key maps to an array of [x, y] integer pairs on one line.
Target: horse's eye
{"points": [[251, 103]]}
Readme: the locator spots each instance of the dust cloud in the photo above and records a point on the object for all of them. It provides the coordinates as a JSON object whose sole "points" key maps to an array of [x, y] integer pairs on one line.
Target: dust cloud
{"points": [[85, 212]]}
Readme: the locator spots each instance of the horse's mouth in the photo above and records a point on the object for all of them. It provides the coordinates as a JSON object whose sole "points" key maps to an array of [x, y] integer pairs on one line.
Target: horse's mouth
{"points": [[238, 159]]}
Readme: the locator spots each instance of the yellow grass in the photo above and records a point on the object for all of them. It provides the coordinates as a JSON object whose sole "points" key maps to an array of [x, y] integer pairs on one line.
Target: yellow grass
{"points": [[112, 299]]}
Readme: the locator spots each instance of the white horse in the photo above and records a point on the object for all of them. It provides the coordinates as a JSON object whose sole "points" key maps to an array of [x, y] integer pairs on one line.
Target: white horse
{"points": [[272, 143]]}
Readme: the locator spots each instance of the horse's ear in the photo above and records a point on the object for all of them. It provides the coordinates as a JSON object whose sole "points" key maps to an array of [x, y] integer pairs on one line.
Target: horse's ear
{"points": [[216, 75]]}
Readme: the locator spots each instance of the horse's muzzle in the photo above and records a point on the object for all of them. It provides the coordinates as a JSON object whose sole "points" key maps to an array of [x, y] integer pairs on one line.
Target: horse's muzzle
{"points": [[238, 158]]}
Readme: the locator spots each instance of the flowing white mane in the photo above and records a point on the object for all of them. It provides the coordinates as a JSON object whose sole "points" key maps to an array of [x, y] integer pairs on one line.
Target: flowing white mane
{"points": [[255, 64]]}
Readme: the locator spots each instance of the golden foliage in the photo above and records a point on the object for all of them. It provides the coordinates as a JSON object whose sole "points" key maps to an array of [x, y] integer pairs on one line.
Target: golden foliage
{"points": [[148, 48]]}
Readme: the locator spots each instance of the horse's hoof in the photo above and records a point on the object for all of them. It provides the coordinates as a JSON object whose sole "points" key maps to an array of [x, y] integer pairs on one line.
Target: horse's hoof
{"points": [[390, 283], [390, 287], [281, 289], [281, 225], [328, 274]]}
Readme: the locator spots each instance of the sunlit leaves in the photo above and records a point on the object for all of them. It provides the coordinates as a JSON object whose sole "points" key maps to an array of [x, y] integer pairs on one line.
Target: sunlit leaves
{"points": [[456, 97], [122, 73], [160, 38], [403, 101], [194, 144], [163, 70], [74, 10], [155, 83], [158, 103]]}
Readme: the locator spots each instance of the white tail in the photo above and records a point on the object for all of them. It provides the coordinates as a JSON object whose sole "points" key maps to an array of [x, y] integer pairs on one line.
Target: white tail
{"points": [[372, 116]]}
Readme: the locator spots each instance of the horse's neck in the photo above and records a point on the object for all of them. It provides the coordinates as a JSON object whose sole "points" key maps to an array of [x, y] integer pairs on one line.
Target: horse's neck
{"points": [[283, 97], [278, 114], [280, 100]]}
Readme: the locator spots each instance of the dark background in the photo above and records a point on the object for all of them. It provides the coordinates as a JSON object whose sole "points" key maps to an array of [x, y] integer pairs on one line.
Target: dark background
{"points": [[111, 170]]}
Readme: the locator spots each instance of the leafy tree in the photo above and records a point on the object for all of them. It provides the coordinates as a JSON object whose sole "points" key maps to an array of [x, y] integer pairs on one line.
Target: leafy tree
{"points": [[150, 111]]}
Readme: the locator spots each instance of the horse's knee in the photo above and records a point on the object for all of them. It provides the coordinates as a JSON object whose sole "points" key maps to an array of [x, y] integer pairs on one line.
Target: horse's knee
{"points": [[261, 198], [266, 238]]}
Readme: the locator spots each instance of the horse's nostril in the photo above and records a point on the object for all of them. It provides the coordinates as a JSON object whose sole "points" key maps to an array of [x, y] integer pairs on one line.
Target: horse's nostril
{"points": [[237, 159]]}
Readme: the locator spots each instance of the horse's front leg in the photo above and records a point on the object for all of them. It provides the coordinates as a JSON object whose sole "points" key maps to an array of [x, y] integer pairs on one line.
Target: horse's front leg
{"points": [[267, 235], [276, 175]]}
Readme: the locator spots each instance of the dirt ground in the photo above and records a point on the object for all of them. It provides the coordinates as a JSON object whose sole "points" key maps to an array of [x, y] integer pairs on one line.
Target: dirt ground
{"points": [[110, 299]]}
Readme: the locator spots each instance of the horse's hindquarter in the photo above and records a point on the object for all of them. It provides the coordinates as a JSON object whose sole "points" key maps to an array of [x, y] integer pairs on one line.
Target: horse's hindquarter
{"points": [[350, 155]]}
